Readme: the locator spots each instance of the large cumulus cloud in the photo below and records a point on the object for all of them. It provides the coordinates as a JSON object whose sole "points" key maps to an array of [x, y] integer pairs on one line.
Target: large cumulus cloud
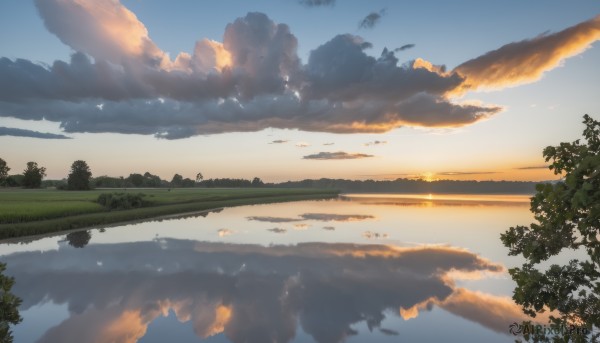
{"points": [[119, 80]]}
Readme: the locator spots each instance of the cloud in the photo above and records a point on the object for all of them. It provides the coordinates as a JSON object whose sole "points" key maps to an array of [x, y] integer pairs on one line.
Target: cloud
{"points": [[279, 141], [374, 235], [404, 47], [329, 228], [375, 143], [316, 3], [118, 80], [339, 155], [329, 143], [302, 144], [389, 332], [106, 30], [371, 19], [277, 230], [9, 131], [491, 311], [224, 232], [533, 167], [301, 226], [526, 61]]}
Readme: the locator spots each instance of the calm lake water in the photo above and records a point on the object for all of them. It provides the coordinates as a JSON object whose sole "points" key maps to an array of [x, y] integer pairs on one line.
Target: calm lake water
{"points": [[361, 268]]}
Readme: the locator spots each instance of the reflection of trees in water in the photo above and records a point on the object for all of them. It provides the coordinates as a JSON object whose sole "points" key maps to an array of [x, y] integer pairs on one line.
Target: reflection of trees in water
{"points": [[9, 306], [79, 239], [250, 293]]}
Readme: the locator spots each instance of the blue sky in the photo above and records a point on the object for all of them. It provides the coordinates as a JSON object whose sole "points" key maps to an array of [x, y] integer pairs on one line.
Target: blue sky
{"points": [[534, 112]]}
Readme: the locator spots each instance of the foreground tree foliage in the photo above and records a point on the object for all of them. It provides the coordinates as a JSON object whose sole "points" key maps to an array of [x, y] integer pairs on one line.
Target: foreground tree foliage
{"points": [[568, 217], [9, 306], [33, 175], [79, 177]]}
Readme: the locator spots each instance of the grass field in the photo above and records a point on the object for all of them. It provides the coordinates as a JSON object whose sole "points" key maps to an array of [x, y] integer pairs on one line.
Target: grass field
{"points": [[33, 212]]}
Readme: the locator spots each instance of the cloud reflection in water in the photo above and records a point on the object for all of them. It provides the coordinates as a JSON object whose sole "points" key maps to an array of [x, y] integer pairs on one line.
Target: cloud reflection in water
{"points": [[249, 293]]}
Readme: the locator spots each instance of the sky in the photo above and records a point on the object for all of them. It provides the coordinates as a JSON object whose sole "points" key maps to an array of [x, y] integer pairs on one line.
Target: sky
{"points": [[294, 89]]}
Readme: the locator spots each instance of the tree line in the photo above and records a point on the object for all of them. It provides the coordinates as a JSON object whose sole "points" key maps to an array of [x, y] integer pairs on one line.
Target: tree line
{"points": [[80, 178]]}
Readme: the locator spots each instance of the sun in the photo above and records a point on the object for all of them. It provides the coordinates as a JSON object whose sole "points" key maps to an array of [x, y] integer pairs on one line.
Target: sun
{"points": [[429, 177]]}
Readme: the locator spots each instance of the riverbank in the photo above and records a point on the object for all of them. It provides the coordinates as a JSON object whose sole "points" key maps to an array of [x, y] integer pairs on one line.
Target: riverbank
{"points": [[38, 212]]}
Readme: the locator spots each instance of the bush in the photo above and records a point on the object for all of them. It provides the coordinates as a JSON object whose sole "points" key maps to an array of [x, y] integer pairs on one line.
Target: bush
{"points": [[122, 201]]}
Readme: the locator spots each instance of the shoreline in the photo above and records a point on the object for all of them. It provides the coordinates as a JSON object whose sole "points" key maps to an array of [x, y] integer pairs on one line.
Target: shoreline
{"points": [[11, 233], [20, 239]]}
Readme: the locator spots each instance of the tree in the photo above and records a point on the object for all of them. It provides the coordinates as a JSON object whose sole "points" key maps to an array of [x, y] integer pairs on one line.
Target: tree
{"points": [[33, 175], [137, 180], [9, 306], [568, 217], [187, 182], [3, 171], [199, 177], [257, 182], [151, 180], [79, 178], [177, 180]]}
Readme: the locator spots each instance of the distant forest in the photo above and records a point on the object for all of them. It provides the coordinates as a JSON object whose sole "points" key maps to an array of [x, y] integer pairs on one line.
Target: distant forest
{"points": [[349, 186]]}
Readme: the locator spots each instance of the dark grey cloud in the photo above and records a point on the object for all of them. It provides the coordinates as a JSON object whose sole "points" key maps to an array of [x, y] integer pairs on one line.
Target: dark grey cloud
{"points": [[404, 47], [248, 293], [329, 228], [10, 131], [277, 230], [389, 332], [279, 141], [118, 80], [374, 235], [375, 142], [316, 3], [339, 155], [371, 19], [329, 143], [263, 85]]}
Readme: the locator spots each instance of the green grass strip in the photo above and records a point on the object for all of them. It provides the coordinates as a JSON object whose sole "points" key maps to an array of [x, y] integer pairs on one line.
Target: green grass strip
{"points": [[40, 227]]}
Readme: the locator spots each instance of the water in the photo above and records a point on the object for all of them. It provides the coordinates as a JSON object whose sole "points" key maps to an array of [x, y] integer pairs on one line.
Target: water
{"points": [[376, 268]]}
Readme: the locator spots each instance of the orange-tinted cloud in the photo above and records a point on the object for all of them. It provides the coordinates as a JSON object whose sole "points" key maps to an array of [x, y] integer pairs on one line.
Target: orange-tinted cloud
{"points": [[526, 61], [491, 311], [106, 30], [112, 324]]}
